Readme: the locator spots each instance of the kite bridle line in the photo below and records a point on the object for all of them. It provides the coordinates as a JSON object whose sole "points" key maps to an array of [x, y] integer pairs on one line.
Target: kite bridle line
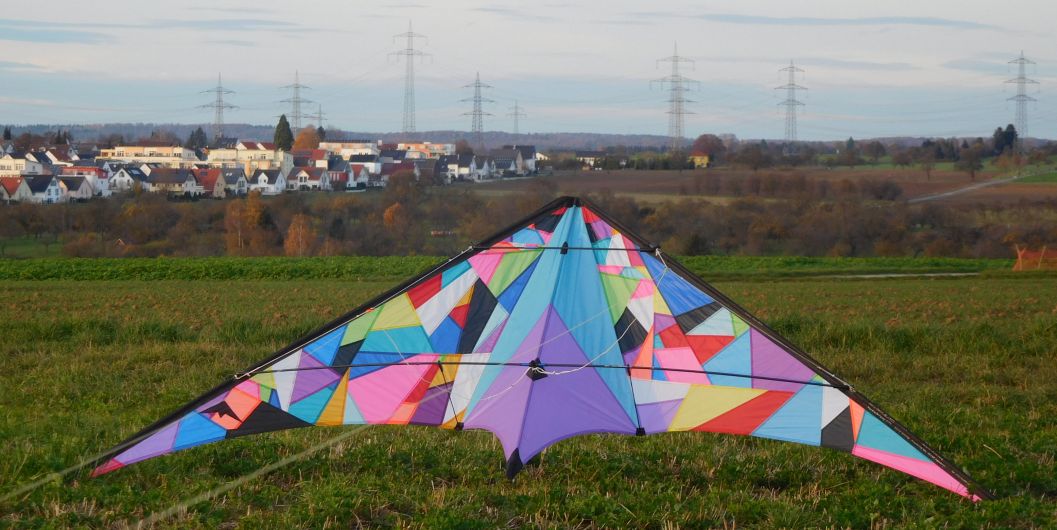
{"points": [[536, 368]]}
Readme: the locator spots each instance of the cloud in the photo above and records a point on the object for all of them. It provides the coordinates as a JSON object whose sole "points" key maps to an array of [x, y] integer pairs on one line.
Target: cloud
{"points": [[32, 31], [231, 42], [759, 20], [15, 67], [863, 21], [514, 13], [229, 24], [857, 65]]}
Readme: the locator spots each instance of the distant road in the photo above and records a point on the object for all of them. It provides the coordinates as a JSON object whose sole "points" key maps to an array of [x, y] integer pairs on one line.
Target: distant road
{"points": [[959, 191]]}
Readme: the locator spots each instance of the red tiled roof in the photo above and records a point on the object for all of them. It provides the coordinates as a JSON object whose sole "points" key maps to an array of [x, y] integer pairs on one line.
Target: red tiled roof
{"points": [[11, 184], [208, 178]]}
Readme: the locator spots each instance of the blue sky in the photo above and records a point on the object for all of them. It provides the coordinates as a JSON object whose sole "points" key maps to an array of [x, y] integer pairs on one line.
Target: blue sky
{"points": [[889, 68]]}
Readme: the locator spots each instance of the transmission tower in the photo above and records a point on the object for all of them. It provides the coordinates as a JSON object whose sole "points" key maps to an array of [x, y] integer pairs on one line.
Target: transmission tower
{"points": [[218, 105], [296, 101], [319, 117], [677, 88], [515, 112], [1022, 98], [791, 103], [478, 114], [409, 53]]}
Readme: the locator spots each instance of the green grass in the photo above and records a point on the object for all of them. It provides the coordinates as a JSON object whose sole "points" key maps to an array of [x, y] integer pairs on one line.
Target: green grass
{"points": [[1042, 178], [398, 267], [28, 247], [966, 363]]}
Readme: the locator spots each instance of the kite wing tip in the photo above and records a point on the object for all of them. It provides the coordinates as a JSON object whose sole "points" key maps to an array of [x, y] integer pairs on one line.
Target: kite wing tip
{"points": [[109, 466]]}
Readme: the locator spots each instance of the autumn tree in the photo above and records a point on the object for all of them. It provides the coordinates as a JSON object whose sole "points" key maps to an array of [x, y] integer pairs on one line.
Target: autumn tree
{"points": [[754, 156], [709, 144], [926, 158], [234, 229], [307, 138], [300, 236], [462, 147], [874, 150], [284, 137], [971, 160]]}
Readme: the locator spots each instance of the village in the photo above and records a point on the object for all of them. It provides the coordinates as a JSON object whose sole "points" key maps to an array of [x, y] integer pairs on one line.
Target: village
{"points": [[76, 173]]}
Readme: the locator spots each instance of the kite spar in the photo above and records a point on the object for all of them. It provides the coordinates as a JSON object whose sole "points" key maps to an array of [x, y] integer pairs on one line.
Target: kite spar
{"points": [[565, 323]]}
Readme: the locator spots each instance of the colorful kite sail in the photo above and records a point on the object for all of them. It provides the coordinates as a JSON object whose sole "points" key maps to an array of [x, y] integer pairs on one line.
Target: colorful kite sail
{"points": [[564, 324]]}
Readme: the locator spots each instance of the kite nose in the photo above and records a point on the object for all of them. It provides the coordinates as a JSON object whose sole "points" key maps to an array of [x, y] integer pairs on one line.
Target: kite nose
{"points": [[535, 370]]}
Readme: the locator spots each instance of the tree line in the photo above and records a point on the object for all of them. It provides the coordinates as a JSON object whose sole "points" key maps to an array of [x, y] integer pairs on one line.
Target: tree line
{"points": [[863, 218]]}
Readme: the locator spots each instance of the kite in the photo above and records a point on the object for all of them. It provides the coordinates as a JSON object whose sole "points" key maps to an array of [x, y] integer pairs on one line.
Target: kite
{"points": [[565, 323]]}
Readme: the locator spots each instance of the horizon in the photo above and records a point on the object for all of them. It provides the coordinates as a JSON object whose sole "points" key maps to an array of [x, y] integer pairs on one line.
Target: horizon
{"points": [[900, 70]]}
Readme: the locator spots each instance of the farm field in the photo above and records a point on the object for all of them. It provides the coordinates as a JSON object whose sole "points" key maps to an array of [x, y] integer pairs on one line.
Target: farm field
{"points": [[966, 363], [666, 185]]}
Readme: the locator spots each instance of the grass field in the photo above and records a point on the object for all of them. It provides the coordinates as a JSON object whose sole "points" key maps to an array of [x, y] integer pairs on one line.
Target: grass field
{"points": [[398, 267], [966, 363], [1042, 178]]}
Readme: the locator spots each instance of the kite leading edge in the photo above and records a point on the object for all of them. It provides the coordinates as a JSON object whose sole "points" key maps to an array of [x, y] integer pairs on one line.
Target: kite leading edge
{"points": [[563, 324]]}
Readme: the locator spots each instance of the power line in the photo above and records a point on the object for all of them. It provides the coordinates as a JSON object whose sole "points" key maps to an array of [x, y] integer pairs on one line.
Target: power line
{"points": [[478, 113], [409, 53], [791, 103], [218, 105], [515, 112], [1022, 98], [296, 101], [677, 87]]}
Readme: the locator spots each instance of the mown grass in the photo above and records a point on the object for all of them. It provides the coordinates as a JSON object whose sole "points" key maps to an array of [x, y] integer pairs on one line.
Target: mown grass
{"points": [[1042, 178], [397, 267], [966, 363]]}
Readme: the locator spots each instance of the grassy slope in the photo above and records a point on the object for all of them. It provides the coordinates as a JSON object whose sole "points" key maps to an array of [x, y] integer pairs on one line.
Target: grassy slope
{"points": [[965, 363], [360, 268]]}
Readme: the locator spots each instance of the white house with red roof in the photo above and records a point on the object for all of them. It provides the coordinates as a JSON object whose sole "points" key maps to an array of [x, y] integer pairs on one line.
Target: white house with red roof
{"points": [[15, 189]]}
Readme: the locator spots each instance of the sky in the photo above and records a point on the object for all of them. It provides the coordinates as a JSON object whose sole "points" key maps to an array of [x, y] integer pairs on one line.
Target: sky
{"points": [[934, 68]]}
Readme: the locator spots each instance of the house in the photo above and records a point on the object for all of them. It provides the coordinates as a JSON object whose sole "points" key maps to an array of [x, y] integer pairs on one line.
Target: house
{"points": [[207, 181], [391, 168], [467, 164], [483, 168], [426, 149], [62, 155], [590, 159], [448, 166], [45, 189], [392, 155], [308, 178], [338, 170], [268, 182], [15, 164], [127, 178], [429, 170], [529, 156], [250, 156], [350, 148], [97, 177], [233, 181], [173, 181], [359, 177], [371, 162], [700, 159], [76, 188], [508, 162], [173, 156], [15, 189]]}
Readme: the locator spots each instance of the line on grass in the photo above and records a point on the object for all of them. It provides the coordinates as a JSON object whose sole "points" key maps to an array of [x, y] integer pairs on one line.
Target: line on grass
{"points": [[157, 517]]}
